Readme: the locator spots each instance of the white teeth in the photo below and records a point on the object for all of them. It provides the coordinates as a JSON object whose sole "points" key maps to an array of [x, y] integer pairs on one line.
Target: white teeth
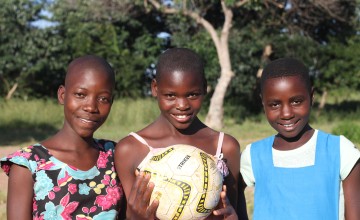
{"points": [[181, 116], [85, 120], [289, 125]]}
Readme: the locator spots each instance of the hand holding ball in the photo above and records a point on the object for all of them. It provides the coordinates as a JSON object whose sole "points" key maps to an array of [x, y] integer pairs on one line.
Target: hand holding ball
{"points": [[187, 182]]}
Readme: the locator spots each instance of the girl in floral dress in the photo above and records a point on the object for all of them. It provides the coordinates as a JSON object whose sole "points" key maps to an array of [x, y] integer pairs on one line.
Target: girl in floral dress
{"points": [[70, 175]]}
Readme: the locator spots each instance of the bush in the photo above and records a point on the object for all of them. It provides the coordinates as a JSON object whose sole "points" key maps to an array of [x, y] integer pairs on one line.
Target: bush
{"points": [[349, 130]]}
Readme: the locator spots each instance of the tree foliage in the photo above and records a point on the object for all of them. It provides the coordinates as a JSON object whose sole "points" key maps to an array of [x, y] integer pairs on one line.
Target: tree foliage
{"points": [[323, 33], [17, 42]]}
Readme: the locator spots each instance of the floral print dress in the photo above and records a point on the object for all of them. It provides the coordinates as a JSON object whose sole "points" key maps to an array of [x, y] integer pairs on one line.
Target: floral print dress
{"points": [[64, 192]]}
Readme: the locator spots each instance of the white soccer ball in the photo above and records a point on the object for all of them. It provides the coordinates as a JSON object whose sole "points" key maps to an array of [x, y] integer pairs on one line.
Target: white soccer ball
{"points": [[187, 182]]}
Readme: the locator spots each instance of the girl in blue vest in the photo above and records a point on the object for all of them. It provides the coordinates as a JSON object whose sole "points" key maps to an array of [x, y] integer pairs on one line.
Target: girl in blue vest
{"points": [[301, 172]]}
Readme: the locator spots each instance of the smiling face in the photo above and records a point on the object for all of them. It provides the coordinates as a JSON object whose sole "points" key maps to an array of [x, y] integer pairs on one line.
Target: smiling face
{"points": [[287, 102], [180, 95], [87, 97]]}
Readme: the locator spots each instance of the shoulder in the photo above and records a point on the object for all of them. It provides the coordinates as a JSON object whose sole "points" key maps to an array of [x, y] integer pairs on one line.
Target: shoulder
{"points": [[131, 150], [245, 154], [245, 160], [25, 157], [230, 144], [246, 167], [349, 156], [127, 143]]}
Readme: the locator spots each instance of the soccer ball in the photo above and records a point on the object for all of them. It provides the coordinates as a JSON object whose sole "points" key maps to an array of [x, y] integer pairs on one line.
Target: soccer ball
{"points": [[187, 182]]}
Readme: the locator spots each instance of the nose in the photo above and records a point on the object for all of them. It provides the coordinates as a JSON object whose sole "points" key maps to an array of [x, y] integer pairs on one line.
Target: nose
{"points": [[90, 105], [286, 112], [182, 104]]}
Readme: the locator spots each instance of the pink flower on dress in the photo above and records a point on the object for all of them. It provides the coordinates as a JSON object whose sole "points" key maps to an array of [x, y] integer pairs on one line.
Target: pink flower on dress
{"points": [[56, 188], [20, 154], [46, 166], [6, 168], [41, 217], [69, 208], [106, 180], [72, 188], [51, 195], [112, 197], [65, 179], [113, 194], [103, 202], [35, 208], [101, 163]]}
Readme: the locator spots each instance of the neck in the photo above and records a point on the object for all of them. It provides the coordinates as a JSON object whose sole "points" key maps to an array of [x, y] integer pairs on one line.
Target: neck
{"points": [[286, 143], [193, 128], [71, 139]]}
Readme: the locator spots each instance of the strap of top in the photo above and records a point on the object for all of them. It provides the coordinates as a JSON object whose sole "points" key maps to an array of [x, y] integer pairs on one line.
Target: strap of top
{"points": [[218, 154], [142, 140]]}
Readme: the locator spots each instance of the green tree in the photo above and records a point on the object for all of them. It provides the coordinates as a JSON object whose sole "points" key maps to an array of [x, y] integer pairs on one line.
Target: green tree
{"points": [[117, 30], [16, 48], [220, 19]]}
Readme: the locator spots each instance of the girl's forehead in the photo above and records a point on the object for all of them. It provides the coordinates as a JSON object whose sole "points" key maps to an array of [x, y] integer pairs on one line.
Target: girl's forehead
{"points": [[285, 81], [285, 84], [181, 77], [89, 78]]}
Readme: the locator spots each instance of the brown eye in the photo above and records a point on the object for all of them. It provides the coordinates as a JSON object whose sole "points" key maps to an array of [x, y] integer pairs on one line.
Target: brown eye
{"points": [[79, 95], [104, 99], [169, 96], [274, 105], [193, 95], [297, 102]]}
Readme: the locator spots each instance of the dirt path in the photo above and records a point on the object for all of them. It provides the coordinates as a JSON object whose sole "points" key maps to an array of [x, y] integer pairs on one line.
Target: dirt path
{"points": [[3, 178]]}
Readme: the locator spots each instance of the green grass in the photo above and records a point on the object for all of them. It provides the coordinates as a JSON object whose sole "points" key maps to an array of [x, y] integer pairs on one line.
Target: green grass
{"points": [[127, 116], [26, 122]]}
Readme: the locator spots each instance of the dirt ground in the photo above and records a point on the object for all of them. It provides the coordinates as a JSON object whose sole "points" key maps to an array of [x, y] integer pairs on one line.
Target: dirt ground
{"points": [[4, 181], [3, 178]]}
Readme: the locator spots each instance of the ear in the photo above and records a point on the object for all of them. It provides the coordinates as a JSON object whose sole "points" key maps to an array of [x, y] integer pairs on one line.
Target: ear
{"points": [[61, 94], [154, 88]]}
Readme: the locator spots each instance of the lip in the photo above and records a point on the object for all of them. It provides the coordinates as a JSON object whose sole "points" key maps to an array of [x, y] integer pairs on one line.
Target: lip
{"points": [[182, 118], [88, 121], [289, 126]]}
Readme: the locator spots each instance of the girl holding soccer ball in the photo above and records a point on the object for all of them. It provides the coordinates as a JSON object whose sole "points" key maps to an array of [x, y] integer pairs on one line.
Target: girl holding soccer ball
{"points": [[180, 88]]}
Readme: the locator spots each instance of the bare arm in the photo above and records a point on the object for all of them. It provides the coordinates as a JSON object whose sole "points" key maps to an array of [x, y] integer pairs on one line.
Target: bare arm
{"points": [[231, 151], [128, 154], [20, 193], [241, 205], [351, 186]]}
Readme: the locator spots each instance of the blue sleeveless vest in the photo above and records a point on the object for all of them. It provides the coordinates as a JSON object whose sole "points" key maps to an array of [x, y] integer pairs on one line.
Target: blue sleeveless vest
{"points": [[305, 193]]}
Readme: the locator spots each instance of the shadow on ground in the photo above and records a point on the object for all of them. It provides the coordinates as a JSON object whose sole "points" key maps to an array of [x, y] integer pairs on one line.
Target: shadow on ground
{"points": [[18, 132]]}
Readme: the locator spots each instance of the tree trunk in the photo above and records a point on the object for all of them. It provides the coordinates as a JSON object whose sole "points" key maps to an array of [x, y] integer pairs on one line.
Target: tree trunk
{"points": [[322, 102], [11, 91], [214, 118]]}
